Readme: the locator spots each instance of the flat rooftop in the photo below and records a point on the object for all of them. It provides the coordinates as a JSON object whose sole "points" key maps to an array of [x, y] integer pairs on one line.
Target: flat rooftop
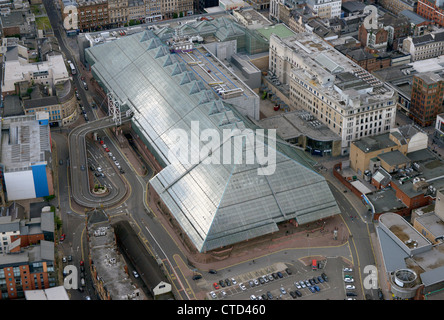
{"points": [[213, 72]]}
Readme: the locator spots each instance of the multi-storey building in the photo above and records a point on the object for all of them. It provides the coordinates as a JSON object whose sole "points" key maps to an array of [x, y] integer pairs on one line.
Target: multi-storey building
{"points": [[117, 11], [432, 10], [424, 47], [92, 14], [338, 92], [427, 98]]}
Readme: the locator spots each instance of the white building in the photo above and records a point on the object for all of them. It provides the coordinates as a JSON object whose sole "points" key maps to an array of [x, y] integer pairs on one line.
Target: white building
{"points": [[48, 72], [338, 92], [325, 8], [424, 47]]}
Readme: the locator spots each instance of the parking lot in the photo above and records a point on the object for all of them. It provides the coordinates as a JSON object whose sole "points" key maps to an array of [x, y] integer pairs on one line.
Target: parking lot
{"points": [[283, 282]]}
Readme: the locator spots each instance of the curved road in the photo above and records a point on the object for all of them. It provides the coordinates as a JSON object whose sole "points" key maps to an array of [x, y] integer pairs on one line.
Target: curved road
{"points": [[80, 186]]}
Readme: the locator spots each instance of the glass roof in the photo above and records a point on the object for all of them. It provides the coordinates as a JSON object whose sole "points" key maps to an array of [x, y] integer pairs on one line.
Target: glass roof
{"points": [[215, 204]]}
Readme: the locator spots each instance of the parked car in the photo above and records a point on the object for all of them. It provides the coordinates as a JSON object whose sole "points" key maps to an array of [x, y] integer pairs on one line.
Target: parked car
{"points": [[222, 283], [302, 283], [197, 277], [297, 285], [242, 286], [312, 289], [350, 294], [136, 275], [380, 294], [261, 280], [324, 276], [320, 279], [253, 297], [293, 294], [270, 277], [213, 295], [316, 287], [283, 290], [62, 237], [228, 282], [288, 271], [64, 260], [348, 269], [349, 280], [270, 296], [69, 258], [350, 287], [298, 293], [279, 274], [233, 281], [216, 286]]}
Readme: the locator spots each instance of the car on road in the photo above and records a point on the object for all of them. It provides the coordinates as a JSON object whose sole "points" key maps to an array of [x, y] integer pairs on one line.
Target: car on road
{"points": [[242, 286], [70, 258], [102, 142], [81, 263], [197, 277], [60, 162], [348, 269], [350, 280], [82, 167], [350, 287], [64, 260], [136, 275], [85, 86], [213, 295], [350, 294], [117, 163], [106, 149], [62, 237], [216, 286]]}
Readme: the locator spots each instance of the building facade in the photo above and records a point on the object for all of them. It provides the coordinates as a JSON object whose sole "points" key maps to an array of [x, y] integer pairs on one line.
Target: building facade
{"points": [[338, 92], [432, 10]]}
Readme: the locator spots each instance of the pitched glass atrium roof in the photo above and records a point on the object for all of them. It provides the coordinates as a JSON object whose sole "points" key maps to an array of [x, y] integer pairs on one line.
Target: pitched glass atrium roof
{"points": [[215, 204]]}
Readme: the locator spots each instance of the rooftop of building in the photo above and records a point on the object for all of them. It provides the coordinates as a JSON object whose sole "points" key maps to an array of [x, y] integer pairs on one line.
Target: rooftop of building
{"points": [[108, 262], [374, 143], [298, 123]]}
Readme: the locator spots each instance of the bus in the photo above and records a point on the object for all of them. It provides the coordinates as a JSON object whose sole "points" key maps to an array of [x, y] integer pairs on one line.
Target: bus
{"points": [[73, 69]]}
